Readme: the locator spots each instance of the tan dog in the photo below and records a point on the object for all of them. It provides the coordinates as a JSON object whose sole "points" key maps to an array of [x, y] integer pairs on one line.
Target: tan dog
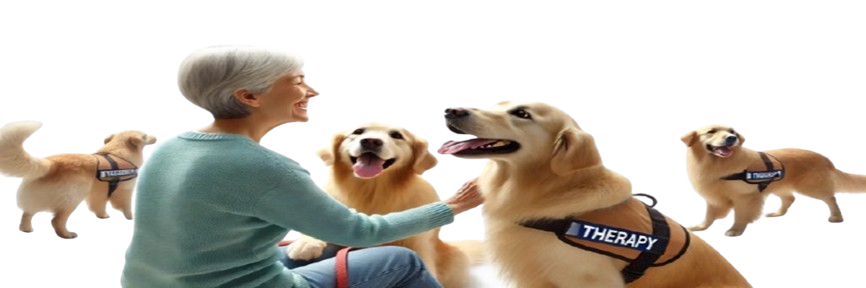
{"points": [[544, 169], [716, 152], [376, 169], [59, 183]]}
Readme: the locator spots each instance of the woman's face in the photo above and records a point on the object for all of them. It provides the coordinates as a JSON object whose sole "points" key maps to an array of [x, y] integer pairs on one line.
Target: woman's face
{"points": [[286, 100]]}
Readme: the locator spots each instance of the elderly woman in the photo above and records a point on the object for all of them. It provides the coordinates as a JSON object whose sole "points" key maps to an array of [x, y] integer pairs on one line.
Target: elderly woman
{"points": [[212, 203]]}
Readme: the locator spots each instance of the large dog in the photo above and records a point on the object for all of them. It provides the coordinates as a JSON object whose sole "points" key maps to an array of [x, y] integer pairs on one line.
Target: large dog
{"points": [[556, 217], [717, 162], [376, 169], [59, 183]]}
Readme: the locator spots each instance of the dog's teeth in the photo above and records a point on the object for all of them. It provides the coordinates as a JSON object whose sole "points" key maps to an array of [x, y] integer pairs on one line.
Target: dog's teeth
{"points": [[499, 144]]}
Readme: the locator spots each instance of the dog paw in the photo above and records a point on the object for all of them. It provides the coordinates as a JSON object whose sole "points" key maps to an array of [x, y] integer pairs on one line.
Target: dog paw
{"points": [[25, 229], [306, 248], [733, 233], [774, 214], [103, 216], [68, 235], [698, 228], [836, 219]]}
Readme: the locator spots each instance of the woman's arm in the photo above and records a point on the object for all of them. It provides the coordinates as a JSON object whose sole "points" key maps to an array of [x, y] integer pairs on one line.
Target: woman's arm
{"points": [[299, 204]]}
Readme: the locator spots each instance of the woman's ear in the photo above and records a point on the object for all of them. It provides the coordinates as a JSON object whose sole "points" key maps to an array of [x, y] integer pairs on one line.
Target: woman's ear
{"points": [[246, 97]]}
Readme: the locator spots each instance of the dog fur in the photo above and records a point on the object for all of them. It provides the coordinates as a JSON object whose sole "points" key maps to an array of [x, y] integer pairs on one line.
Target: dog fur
{"points": [[806, 172], [547, 167], [397, 187], [59, 183]]}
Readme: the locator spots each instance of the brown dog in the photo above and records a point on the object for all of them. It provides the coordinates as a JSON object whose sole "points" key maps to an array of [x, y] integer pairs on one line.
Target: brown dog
{"points": [[376, 169], [717, 160], [59, 183], [556, 217]]}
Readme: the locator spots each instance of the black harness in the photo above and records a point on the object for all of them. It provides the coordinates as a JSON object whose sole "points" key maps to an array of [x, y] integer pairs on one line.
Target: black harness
{"points": [[761, 178], [115, 174], [570, 227]]}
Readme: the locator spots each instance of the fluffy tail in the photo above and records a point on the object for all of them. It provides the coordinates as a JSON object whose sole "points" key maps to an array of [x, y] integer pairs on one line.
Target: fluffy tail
{"points": [[472, 248], [846, 182], [14, 161]]}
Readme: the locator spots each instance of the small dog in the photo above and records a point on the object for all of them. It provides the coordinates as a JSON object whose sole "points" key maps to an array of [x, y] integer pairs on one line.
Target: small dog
{"points": [[59, 183], [717, 160], [556, 217], [376, 169]]}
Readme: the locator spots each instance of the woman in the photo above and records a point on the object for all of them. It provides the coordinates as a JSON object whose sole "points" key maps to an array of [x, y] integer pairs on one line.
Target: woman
{"points": [[212, 204]]}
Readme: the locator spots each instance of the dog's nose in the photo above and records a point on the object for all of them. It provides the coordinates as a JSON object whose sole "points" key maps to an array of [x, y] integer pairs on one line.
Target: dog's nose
{"points": [[371, 143], [731, 139], [452, 113]]}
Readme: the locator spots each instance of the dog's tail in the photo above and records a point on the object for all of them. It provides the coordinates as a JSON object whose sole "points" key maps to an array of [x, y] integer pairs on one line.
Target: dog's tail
{"points": [[472, 248], [14, 161], [846, 182]]}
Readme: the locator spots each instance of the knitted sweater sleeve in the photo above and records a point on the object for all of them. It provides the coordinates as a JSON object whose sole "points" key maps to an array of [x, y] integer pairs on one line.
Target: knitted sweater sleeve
{"points": [[297, 203]]}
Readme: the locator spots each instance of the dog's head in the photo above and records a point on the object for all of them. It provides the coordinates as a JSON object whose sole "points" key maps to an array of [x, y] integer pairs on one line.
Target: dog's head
{"points": [[134, 140], [718, 140], [374, 148], [529, 134]]}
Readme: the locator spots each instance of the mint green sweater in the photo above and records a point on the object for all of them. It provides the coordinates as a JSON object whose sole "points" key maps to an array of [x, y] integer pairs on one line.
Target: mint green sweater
{"points": [[211, 208]]}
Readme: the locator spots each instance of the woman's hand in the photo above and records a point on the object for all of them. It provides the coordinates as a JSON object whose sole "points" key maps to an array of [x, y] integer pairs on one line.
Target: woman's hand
{"points": [[467, 197]]}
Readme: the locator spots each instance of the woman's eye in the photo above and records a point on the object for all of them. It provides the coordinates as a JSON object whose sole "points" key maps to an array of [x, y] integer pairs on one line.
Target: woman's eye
{"points": [[396, 135], [521, 113], [358, 131]]}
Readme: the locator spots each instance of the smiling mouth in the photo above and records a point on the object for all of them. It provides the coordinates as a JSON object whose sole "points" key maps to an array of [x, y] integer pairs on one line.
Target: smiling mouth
{"points": [[721, 151], [369, 165], [302, 106]]}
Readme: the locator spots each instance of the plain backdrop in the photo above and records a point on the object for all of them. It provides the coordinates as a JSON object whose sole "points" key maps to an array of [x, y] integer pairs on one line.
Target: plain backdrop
{"points": [[637, 75]]}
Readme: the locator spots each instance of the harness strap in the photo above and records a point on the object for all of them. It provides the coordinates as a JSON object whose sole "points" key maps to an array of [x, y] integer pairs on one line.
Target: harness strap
{"points": [[114, 180], [342, 267], [638, 266], [763, 178]]}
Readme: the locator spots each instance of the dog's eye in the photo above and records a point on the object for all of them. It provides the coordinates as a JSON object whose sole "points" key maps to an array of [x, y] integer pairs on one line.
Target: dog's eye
{"points": [[521, 113], [358, 131], [732, 131], [712, 131], [396, 135]]}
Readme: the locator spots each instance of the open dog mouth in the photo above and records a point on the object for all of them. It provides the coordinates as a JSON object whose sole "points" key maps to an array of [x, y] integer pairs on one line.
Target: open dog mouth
{"points": [[369, 165], [721, 151], [479, 146]]}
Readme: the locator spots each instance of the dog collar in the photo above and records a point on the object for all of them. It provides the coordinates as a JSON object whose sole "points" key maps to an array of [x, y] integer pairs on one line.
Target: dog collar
{"points": [[762, 178], [114, 173], [630, 231]]}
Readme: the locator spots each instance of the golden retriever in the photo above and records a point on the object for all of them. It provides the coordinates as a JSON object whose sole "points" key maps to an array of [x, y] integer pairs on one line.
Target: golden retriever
{"points": [[717, 161], [376, 169], [544, 168], [59, 183]]}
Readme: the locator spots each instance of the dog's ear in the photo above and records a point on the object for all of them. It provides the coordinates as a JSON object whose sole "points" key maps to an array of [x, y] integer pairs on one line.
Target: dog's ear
{"points": [[423, 159], [108, 139], [573, 150], [690, 138], [136, 141], [329, 154]]}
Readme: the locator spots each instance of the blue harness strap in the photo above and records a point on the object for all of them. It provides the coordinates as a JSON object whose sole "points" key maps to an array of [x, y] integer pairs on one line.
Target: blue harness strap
{"points": [[115, 175]]}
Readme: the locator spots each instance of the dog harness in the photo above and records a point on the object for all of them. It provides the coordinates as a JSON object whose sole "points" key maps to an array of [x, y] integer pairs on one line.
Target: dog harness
{"points": [[112, 172], [341, 266], [631, 231], [754, 175]]}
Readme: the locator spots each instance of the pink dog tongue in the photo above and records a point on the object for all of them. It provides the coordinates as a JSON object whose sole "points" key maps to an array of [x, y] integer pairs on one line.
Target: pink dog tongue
{"points": [[724, 151], [452, 147], [368, 165]]}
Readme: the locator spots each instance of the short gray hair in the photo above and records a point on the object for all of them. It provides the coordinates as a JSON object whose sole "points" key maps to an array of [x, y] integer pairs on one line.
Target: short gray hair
{"points": [[210, 76]]}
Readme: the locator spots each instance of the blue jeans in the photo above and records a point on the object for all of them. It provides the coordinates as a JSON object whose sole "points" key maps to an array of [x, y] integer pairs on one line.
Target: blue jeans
{"points": [[375, 267]]}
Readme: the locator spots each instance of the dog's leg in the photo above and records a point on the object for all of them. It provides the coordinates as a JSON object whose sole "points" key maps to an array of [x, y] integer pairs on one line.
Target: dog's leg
{"points": [[97, 207], [59, 223], [835, 213], [746, 210], [714, 211], [787, 200], [26, 222], [122, 201]]}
